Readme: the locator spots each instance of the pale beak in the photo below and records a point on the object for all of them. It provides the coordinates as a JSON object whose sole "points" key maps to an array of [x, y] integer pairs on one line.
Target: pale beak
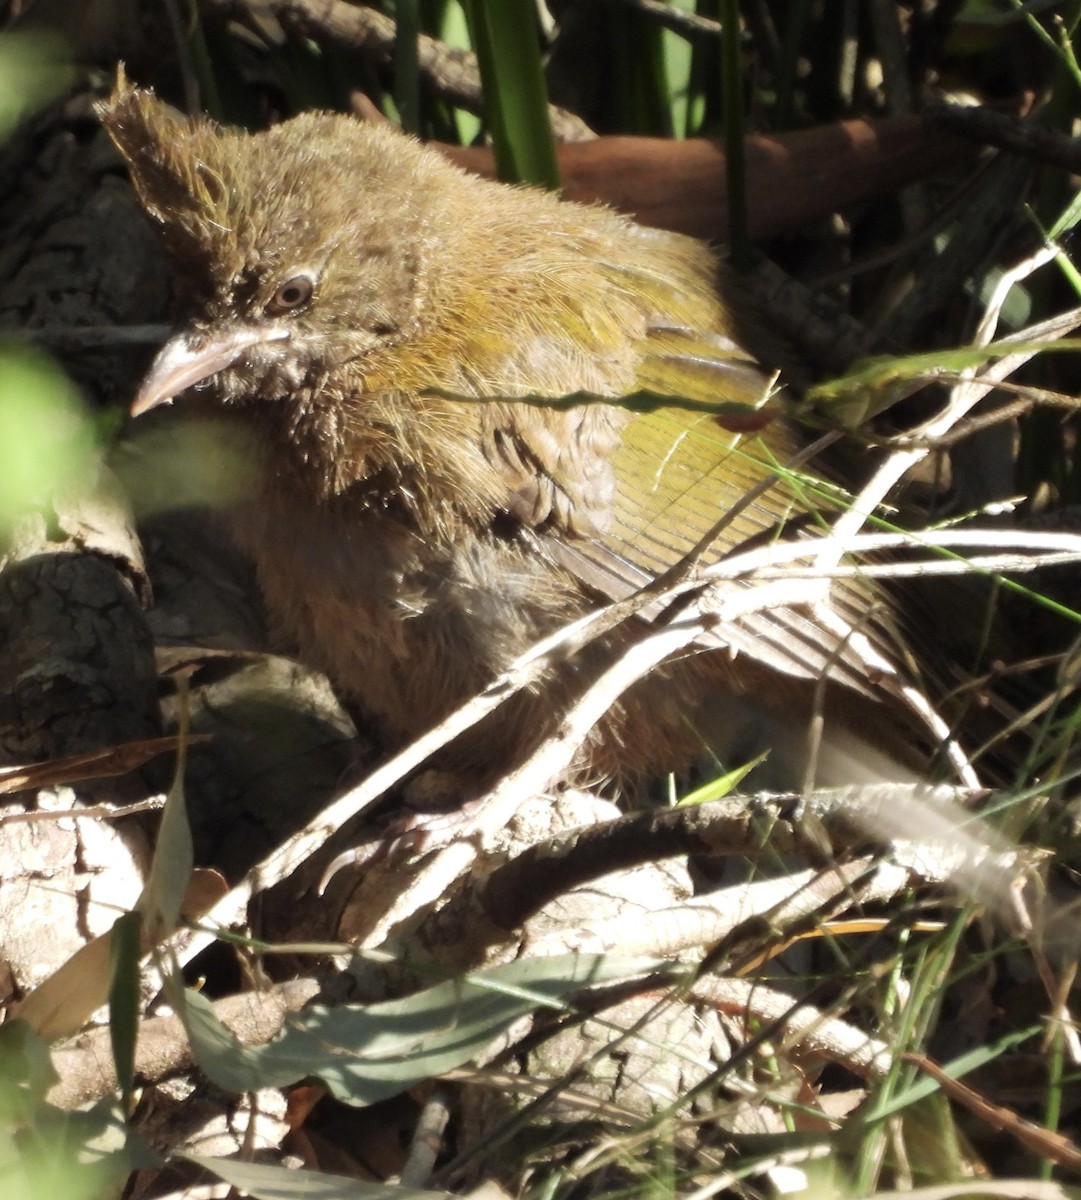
{"points": [[179, 365]]}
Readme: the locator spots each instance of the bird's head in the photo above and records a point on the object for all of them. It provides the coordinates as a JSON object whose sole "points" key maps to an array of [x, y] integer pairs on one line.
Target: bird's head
{"points": [[292, 264], [345, 289]]}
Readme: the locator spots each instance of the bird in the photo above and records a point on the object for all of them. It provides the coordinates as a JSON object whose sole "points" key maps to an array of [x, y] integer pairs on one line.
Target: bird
{"points": [[430, 366]]}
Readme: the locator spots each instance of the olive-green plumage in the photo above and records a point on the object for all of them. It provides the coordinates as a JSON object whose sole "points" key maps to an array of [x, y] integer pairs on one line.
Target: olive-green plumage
{"points": [[381, 320]]}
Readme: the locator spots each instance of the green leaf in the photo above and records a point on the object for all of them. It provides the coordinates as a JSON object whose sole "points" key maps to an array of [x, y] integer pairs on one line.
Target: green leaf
{"points": [[45, 1151], [125, 953], [723, 785], [46, 440], [25, 1066], [174, 855], [267, 1182], [367, 1053], [34, 67], [868, 388], [924, 1085]]}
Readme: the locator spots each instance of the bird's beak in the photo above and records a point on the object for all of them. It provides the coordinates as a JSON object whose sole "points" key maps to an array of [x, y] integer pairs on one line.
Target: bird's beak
{"points": [[181, 365]]}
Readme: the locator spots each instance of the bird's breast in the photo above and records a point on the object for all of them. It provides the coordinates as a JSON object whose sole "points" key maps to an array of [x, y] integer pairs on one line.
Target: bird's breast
{"points": [[409, 626]]}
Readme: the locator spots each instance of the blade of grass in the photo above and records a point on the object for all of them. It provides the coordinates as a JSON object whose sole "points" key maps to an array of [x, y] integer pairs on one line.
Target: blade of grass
{"points": [[641, 74], [734, 130], [505, 37], [407, 64]]}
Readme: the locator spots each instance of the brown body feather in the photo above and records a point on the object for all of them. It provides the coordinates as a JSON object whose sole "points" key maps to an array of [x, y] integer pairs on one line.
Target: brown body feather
{"points": [[420, 522]]}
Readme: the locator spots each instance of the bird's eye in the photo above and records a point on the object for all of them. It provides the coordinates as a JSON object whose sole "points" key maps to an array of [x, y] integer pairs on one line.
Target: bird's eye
{"points": [[292, 294]]}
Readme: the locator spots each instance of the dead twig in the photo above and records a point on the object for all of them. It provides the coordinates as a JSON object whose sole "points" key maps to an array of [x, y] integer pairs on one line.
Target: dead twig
{"points": [[1026, 138]]}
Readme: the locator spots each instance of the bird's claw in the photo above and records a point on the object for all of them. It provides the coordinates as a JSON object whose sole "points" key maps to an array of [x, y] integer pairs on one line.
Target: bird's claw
{"points": [[410, 836]]}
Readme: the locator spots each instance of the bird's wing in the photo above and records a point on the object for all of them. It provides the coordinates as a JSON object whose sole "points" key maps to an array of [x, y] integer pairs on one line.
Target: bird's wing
{"points": [[626, 492], [680, 474]]}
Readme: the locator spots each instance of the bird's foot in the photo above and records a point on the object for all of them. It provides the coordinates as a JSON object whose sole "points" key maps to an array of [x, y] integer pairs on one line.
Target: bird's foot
{"points": [[442, 819]]}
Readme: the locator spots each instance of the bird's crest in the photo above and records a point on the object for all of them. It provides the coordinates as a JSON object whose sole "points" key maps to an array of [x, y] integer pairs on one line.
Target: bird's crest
{"points": [[179, 179]]}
